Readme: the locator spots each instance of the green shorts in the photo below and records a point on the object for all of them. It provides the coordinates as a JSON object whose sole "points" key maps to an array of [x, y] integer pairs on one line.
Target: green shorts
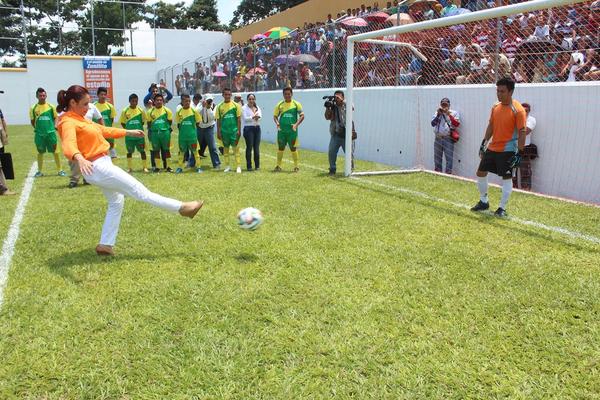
{"points": [[46, 143], [229, 139], [287, 138], [111, 141], [135, 143], [187, 144], [161, 140]]}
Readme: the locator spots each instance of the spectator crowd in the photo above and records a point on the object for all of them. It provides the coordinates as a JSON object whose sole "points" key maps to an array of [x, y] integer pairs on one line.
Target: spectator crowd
{"points": [[552, 45]]}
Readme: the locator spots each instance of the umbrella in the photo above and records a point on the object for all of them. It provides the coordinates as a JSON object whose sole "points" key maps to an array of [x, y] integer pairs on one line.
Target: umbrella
{"points": [[457, 11], [219, 74], [534, 46], [285, 59], [404, 19], [378, 16], [354, 21], [306, 58], [278, 32], [258, 36], [256, 70]]}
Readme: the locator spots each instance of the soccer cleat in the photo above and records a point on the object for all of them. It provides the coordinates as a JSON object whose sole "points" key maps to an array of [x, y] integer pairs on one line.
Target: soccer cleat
{"points": [[277, 169], [501, 212], [199, 170], [168, 169], [331, 172], [178, 171], [104, 250], [481, 206], [8, 193], [227, 169], [61, 173], [38, 174], [217, 167], [85, 183], [238, 170], [296, 169], [155, 170], [146, 170], [130, 171], [72, 185]]}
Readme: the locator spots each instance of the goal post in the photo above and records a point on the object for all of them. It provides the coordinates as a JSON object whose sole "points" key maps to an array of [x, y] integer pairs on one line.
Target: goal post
{"points": [[380, 39]]}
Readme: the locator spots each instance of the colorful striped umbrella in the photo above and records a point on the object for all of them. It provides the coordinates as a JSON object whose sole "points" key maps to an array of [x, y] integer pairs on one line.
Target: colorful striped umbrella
{"points": [[258, 36], [378, 17], [278, 32]]}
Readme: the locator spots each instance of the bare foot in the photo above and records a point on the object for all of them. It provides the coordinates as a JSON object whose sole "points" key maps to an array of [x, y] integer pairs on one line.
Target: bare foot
{"points": [[190, 209]]}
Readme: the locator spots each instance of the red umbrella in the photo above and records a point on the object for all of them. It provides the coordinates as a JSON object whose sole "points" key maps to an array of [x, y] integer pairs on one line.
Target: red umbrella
{"points": [[378, 17], [354, 21], [219, 74], [404, 19]]}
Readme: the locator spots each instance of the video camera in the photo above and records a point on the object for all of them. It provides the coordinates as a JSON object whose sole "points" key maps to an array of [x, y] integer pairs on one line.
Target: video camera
{"points": [[330, 101]]}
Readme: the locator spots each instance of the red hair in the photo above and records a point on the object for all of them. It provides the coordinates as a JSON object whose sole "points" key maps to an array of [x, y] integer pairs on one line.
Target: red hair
{"points": [[75, 92]]}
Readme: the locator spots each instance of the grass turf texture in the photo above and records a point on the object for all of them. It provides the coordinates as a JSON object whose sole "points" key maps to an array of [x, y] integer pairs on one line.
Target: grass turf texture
{"points": [[348, 290]]}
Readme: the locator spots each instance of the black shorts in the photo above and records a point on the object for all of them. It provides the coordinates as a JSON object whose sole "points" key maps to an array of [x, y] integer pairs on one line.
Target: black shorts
{"points": [[497, 163]]}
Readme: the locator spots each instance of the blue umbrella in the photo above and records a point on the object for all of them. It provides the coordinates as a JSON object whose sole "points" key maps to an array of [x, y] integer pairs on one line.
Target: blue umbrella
{"points": [[457, 11], [285, 59]]}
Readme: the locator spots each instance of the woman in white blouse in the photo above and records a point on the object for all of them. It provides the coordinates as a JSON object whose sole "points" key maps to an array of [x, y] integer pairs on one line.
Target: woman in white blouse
{"points": [[251, 116]]}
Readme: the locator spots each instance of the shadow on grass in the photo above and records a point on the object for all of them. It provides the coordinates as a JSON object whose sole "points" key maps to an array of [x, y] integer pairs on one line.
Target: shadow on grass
{"points": [[246, 258], [481, 218]]}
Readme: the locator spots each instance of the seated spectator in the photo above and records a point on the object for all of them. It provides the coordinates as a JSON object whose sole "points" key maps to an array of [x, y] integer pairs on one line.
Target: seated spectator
{"points": [[511, 44], [542, 29], [590, 70], [576, 61]]}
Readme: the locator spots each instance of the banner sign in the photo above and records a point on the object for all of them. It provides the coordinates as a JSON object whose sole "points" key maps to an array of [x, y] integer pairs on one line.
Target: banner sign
{"points": [[97, 72]]}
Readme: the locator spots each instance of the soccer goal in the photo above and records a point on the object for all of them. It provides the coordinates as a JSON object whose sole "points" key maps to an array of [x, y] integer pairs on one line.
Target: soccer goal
{"points": [[396, 78]]}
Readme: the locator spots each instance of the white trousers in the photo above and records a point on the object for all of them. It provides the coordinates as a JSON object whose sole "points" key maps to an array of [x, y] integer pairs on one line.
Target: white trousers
{"points": [[116, 184]]}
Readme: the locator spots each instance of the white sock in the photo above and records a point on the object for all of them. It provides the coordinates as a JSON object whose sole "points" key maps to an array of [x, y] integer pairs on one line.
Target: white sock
{"points": [[507, 187], [482, 183]]}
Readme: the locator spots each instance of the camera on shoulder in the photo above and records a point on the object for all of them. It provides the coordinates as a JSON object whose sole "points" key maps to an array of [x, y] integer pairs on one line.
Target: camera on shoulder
{"points": [[329, 101]]}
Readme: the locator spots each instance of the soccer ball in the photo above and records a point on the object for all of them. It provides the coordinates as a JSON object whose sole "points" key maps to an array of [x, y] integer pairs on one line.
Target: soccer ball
{"points": [[250, 218]]}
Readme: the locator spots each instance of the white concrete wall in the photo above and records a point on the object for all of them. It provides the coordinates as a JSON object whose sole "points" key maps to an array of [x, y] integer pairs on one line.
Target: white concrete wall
{"points": [[16, 97], [390, 122], [177, 46]]}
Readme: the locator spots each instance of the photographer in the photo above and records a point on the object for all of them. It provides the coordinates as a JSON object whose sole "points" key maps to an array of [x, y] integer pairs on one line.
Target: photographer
{"points": [[445, 123], [335, 111]]}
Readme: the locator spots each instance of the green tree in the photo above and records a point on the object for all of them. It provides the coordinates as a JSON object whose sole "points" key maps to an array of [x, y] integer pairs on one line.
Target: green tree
{"points": [[250, 11], [167, 16], [204, 14]]}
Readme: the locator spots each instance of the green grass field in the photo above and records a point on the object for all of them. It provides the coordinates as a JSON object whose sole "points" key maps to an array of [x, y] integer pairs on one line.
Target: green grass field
{"points": [[352, 288]]}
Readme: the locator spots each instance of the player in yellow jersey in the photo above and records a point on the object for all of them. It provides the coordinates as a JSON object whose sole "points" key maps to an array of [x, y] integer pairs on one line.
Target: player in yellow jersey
{"points": [[160, 121], [109, 113], [288, 115], [43, 116], [134, 118], [229, 121], [187, 119]]}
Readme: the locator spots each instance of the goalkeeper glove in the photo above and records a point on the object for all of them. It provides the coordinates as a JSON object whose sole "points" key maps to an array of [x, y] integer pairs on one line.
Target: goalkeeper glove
{"points": [[482, 148], [516, 159]]}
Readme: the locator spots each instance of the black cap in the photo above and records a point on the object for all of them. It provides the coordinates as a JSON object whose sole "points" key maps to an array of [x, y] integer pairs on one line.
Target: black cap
{"points": [[445, 100]]}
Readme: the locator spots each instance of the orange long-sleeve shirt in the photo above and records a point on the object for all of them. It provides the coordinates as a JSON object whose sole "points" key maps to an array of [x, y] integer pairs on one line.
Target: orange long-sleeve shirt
{"points": [[78, 135]]}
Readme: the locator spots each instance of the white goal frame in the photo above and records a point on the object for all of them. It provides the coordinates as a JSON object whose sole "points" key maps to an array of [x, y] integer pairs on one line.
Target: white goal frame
{"points": [[371, 37]]}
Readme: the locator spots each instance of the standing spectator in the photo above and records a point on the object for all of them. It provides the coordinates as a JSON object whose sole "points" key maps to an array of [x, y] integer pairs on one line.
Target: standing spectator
{"points": [[523, 172], [4, 191], [252, 115], [206, 133], [336, 114], [444, 122], [542, 29], [511, 44]]}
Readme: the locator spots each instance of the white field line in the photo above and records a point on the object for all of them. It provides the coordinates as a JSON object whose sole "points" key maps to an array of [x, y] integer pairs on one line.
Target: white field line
{"points": [[539, 225], [8, 248]]}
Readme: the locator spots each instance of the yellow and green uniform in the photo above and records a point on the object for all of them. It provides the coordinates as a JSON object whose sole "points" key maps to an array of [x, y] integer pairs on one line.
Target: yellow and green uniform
{"points": [[108, 115], [187, 120], [134, 118], [44, 117], [160, 128], [228, 114], [287, 113]]}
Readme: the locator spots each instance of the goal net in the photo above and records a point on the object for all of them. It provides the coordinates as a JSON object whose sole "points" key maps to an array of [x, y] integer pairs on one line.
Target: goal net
{"points": [[416, 85]]}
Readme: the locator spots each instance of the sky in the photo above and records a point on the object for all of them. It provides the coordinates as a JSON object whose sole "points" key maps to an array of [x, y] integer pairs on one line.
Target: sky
{"points": [[226, 8]]}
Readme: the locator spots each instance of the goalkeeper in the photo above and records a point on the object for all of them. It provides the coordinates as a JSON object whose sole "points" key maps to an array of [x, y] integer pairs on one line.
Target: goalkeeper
{"points": [[187, 119], [506, 130]]}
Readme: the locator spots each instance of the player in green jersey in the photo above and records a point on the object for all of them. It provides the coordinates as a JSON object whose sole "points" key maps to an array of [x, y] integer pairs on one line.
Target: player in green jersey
{"points": [[229, 120], [288, 115], [109, 114], [160, 119], [133, 117], [43, 116], [187, 119]]}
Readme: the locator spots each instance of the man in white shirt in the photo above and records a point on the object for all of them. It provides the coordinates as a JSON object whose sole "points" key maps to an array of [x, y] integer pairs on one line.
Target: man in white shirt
{"points": [[523, 172], [206, 131], [444, 122], [93, 114]]}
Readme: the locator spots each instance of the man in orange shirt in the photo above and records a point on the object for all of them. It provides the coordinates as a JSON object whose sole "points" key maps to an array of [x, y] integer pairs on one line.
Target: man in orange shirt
{"points": [[507, 131]]}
